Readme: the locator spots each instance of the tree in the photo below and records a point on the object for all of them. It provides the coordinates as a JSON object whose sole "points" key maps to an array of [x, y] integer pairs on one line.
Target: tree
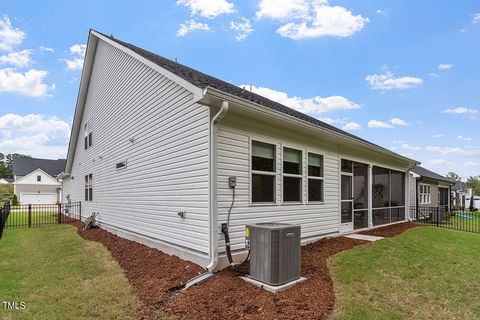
{"points": [[453, 176], [474, 183], [6, 164]]}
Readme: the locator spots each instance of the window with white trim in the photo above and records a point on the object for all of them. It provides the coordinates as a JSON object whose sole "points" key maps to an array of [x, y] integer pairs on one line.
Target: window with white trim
{"points": [[425, 194], [315, 177], [39, 178], [89, 187], [292, 175], [88, 134], [263, 172]]}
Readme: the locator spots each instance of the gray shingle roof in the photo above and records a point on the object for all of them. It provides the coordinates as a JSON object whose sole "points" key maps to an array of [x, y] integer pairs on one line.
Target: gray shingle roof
{"points": [[203, 81], [24, 166], [421, 171]]}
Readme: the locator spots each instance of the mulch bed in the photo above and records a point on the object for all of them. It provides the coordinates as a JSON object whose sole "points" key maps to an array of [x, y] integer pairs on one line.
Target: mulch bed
{"points": [[157, 278], [392, 230]]}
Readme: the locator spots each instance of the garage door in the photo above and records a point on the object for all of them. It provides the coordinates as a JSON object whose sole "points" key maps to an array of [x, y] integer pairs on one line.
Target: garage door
{"points": [[38, 198]]}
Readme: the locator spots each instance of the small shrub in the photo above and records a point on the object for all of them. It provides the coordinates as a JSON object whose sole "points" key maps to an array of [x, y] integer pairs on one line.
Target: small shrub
{"points": [[14, 200]]}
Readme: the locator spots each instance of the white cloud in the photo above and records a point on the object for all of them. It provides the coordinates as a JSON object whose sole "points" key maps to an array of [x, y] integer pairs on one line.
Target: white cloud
{"points": [[350, 126], [311, 18], [35, 135], [407, 146], [445, 66], [48, 49], [17, 59], [438, 136], [383, 12], [460, 137], [77, 52], [191, 25], [378, 124], [243, 29], [387, 81], [434, 75], [314, 105], [30, 83], [283, 9], [208, 8], [398, 122], [327, 120], [473, 151], [387, 124], [476, 18], [10, 37], [461, 110]]}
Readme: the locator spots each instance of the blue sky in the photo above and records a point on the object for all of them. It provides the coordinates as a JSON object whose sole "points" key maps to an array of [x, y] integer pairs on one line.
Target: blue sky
{"points": [[403, 74]]}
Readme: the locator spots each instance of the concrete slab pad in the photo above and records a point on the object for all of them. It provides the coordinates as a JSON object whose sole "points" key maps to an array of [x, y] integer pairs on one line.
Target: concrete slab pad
{"points": [[271, 288], [363, 237]]}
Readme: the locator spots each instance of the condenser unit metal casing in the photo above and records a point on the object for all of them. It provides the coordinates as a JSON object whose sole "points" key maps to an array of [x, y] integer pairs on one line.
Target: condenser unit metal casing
{"points": [[275, 252]]}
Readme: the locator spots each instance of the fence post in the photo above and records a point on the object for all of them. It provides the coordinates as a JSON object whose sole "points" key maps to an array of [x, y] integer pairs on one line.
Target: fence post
{"points": [[80, 209], [2, 224], [29, 215], [438, 215], [59, 213]]}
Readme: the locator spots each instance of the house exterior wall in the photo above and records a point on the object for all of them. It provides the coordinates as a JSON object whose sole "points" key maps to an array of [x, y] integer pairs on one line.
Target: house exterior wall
{"points": [[29, 184], [141, 117], [316, 220]]}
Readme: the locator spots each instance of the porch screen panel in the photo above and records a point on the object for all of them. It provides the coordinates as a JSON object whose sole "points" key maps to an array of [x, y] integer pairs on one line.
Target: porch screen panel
{"points": [[388, 193]]}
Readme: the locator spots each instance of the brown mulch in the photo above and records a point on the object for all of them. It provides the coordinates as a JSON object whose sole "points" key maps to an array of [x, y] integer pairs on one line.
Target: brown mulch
{"points": [[158, 278], [392, 230]]}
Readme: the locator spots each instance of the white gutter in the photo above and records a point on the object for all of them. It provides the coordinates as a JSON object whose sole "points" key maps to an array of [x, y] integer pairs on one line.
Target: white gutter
{"points": [[213, 187]]}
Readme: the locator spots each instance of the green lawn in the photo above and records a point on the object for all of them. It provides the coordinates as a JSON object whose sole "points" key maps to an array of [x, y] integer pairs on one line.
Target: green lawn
{"points": [[58, 275], [463, 223], [426, 273], [20, 218]]}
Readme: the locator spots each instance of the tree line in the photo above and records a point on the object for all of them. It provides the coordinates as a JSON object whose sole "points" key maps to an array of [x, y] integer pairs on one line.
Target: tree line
{"points": [[6, 164]]}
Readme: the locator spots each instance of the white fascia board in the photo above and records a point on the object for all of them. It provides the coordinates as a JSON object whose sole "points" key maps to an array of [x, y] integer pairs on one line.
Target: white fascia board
{"points": [[215, 93]]}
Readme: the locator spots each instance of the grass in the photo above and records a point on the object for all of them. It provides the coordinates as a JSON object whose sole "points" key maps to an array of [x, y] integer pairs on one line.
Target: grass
{"points": [[61, 276], [426, 273], [20, 218], [461, 223]]}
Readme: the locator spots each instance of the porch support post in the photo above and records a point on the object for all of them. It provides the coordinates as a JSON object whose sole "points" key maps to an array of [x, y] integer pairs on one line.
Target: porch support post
{"points": [[370, 197], [407, 195]]}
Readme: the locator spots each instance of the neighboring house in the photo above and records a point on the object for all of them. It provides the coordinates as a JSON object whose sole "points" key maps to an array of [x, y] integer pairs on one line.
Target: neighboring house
{"points": [[429, 189], [36, 180], [459, 193], [154, 145], [6, 180]]}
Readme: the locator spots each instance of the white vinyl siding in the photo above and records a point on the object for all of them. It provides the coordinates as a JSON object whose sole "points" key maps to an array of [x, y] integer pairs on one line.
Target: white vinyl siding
{"points": [[143, 118], [316, 219]]}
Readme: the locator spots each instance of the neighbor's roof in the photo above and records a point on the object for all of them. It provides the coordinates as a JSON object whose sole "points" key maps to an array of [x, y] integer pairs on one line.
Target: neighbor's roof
{"points": [[24, 166], [421, 171], [9, 180], [203, 81], [458, 186]]}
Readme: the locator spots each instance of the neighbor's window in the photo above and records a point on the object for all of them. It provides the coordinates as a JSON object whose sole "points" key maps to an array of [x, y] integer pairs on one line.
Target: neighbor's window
{"points": [[89, 187], [88, 134], [315, 177], [263, 172], [39, 178], [292, 175], [425, 194]]}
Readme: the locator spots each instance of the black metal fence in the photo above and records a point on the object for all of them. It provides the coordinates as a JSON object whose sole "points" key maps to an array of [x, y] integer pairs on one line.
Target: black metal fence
{"points": [[35, 215], [458, 219]]}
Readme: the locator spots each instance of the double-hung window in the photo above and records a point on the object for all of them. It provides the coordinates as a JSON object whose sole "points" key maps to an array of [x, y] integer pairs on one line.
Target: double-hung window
{"points": [[89, 187], [425, 194], [292, 175], [88, 134], [315, 177], [263, 172]]}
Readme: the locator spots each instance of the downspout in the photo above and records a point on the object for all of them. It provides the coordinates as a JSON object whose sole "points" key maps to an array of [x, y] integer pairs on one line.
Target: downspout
{"points": [[213, 187]]}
